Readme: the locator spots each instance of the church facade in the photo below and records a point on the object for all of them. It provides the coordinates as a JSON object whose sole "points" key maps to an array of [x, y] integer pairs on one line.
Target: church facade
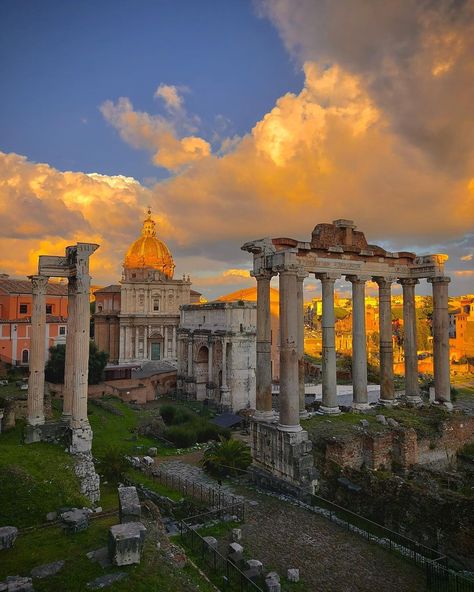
{"points": [[137, 320]]}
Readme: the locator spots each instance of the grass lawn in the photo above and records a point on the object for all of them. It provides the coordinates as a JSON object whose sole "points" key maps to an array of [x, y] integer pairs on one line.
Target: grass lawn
{"points": [[138, 477]]}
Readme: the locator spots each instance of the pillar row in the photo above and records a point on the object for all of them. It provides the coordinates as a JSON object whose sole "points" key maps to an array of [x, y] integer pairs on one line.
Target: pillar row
{"points": [[289, 392], [37, 351]]}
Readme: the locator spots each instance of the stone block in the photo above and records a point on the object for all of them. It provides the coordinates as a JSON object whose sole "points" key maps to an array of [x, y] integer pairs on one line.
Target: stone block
{"points": [[210, 542], [129, 505], [272, 582], [75, 520], [152, 451], [235, 548], [293, 575], [148, 461], [236, 534], [126, 543], [46, 570], [255, 564], [392, 422], [364, 423], [17, 584], [51, 516], [8, 536], [381, 419]]}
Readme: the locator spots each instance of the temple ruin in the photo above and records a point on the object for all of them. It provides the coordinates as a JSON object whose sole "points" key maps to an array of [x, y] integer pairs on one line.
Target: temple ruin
{"points": [[336, 250], [74, 422]]}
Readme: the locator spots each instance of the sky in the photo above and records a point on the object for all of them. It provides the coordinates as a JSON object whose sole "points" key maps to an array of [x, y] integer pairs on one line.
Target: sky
{"points": [[235, 120]]}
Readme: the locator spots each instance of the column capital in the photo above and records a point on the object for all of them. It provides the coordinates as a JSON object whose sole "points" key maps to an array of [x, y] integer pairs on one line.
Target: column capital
{"points": [[327, 277], [38, 283], [263, 274], [408, 281], [383, 282], [287, 269], [301, 275], [439, 280], [358, 279]]}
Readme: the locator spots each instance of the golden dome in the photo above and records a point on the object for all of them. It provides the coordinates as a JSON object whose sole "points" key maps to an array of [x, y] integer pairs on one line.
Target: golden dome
{"points": [[149, 251]]}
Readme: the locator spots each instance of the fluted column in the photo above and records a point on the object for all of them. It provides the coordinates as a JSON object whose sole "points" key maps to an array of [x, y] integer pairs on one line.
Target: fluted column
{"points": [[70, 344], [387, 390], [190, 356], [329, 386], [289, 394], [412, 391], [300, 344], [81, 353], [360, 399], [38, 351], [264, 356], [441, 340]]}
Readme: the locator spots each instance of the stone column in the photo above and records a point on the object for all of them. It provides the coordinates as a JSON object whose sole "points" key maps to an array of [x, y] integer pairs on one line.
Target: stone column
{"points": [[210, 363], [175, 353], [81, 431], [289, 392], [121, 343], [387, 390], [360, 398], [264, 355], [441, 340], [70, 356], [145, 342], [412, 391], [190, 356], [137, 340], [165, 344], [300, 343], [225, 390], [38, 351], [329, 386]]}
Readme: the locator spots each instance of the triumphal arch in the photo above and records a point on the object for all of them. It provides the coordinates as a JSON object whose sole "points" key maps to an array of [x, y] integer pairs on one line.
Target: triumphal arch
{"points": [[336, 250]]}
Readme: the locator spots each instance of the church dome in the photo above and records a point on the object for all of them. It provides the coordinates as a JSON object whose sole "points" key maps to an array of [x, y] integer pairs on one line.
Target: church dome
{"points": [[148, 251]]}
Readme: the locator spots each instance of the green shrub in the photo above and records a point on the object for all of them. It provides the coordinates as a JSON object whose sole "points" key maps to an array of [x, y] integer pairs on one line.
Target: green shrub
{"points": [[181, 436], [176, 415], [113, 464], [206, 431], [226, 457]]}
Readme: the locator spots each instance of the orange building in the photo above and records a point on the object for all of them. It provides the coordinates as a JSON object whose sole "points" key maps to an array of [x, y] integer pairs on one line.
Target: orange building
{"points": [[15, 318]]}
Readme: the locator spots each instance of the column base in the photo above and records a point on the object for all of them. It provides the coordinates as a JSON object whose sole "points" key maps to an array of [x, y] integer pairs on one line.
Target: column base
{"points": [[323, 410], [414, 400], [304, 414], [289, 428], [387, 402], [446, 404], [33, 433], [36, 421], [361, 407], [66, 418], [265, 416], [81, 440]]}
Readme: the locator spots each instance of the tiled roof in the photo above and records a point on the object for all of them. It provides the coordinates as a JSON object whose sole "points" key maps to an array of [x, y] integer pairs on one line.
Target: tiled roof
{"points": [[12, 286], [112, 288]]}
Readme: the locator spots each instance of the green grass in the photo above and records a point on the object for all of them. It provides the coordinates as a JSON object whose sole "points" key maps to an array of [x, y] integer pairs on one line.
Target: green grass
{"points": [[35, 479], [154, 574], [140, 478]]}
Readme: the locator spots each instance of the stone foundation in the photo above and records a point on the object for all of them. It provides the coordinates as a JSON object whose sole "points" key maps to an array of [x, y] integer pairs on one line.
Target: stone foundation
{"points": [[90, 481], [81, 440], [283, 455], [55, 432]]}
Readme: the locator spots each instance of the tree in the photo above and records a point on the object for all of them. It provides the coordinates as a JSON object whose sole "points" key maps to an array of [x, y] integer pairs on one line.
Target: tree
{"points": [[226, 457], [54, 371]]}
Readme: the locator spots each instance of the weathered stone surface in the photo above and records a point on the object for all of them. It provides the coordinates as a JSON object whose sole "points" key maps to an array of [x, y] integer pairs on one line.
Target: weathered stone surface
{"points": [[152, 451], [90, 481], [129, 505], [236, 534], [272, 582], [364, 423], [105, 581], [235, 548], [148, 460], [254, 564], [17, 584], [51, 516], [211, 541], [98, 510], [381, 419], [8, 536], [126, 543], [75, 520], [293, 575], [101, 556], [392, 422], [46, 570]]}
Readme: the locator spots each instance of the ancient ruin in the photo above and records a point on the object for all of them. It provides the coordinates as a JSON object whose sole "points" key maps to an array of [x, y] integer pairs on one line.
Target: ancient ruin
{"points": [[75, 267], [335, 250]]}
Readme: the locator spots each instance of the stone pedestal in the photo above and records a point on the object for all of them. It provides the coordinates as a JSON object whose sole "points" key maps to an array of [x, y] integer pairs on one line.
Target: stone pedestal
{"points": [[284, 455], [126, 543], [129, 505]]}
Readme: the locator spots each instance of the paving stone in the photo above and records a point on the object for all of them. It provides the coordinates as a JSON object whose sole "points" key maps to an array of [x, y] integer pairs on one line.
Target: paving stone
{"points": [[105, 581], [46, 570], [8, 536], [17, 584]]}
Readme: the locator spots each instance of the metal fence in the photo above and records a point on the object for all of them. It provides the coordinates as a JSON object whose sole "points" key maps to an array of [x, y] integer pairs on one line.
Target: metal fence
{"points": [[223, 571]]}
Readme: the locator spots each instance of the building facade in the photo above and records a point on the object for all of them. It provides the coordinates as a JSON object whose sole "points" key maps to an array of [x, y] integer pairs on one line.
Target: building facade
{"points": [[137, 320], [16, 302], [217, 353]]}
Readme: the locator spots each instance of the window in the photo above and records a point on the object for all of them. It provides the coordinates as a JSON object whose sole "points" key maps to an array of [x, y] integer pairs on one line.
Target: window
{"points": [[62, 330], [49, 309], [23, 308], [156, 304], [25, 354]]}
